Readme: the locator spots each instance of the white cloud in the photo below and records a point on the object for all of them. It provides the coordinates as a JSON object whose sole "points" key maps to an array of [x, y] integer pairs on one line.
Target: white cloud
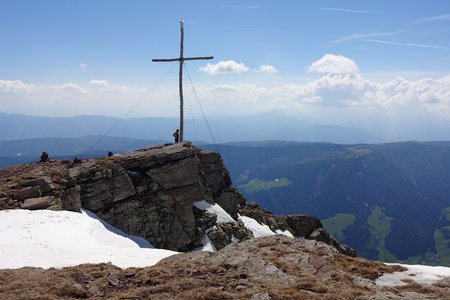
{"points": [[83, 67], [223, 67], [15, 87], [339, 93], [68, 99], [73, 88], [99, 83], [266, 69], [334, 64], [348, 91], [340, 87]]}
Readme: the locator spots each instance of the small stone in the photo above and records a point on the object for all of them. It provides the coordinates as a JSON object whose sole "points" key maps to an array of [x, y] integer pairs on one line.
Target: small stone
{"points": [[38, 203], [130, 273], [28, 192], [112, 279], [94, 290], [45, 184], [261, 296]]}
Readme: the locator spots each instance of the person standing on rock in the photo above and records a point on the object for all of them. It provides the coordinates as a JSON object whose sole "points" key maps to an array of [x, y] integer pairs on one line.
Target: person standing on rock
{"points": [[176, 135]]}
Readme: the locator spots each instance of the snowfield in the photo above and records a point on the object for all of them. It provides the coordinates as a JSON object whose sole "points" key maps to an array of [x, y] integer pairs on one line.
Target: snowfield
{"points": [[418, 273], [50, 239]]}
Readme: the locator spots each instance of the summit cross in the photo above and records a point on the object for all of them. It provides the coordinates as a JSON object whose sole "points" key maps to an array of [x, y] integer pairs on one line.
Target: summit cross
{"points": [[181, 59]]}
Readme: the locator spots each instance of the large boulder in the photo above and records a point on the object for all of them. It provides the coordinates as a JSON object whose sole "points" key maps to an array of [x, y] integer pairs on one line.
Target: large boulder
{"points": [[151, 192]]}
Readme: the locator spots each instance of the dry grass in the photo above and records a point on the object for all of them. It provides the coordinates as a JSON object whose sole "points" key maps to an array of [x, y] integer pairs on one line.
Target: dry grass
{"points": [[317, 275], [365, 268]]}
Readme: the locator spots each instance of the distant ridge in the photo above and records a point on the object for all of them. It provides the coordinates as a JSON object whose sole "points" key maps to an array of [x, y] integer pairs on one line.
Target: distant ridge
{"points": [[265, 126]]}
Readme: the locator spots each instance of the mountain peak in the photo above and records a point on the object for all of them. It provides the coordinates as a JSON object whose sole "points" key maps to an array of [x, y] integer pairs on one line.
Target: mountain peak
{"points": [[174, 195]]}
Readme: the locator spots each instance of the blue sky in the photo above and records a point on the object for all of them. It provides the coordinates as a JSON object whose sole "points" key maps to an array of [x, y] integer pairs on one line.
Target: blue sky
{"points": [[325, 60]]}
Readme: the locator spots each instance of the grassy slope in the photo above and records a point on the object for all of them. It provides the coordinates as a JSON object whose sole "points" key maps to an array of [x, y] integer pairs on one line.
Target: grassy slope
{"points": [[380, 227], [338, 223], [257, 185]]}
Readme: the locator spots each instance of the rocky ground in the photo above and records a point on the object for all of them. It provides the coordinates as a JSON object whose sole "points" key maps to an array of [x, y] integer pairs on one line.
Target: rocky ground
{"points": [[275, 267]]}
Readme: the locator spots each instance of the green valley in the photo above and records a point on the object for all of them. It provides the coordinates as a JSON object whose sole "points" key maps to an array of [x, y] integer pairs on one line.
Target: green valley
{"points": [[387, 201], [256, 185]]}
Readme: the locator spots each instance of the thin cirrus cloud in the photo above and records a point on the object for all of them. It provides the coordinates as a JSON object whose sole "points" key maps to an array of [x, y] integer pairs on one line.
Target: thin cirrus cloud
{"points": [[233, 67], [371, 38], [345, 10], [445, 17], [403, 44], [360, 36]]}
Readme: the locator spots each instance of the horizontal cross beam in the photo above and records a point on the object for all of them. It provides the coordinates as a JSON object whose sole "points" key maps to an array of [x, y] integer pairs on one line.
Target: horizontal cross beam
{"points": [[182, 58]]}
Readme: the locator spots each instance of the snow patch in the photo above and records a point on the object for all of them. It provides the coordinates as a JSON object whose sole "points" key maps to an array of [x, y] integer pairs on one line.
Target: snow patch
{"points": [[222, 215], [418, 273], [257, 229], [208, 246], [50, 239], [260, 230], [284, 232], [141, 242]]}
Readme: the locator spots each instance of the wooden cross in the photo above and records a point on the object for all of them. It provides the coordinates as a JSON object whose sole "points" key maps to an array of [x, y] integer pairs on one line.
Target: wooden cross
{"points": [[181, 59]]}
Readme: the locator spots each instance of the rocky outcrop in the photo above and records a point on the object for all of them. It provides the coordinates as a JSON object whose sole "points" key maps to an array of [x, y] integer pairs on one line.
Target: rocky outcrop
{"points": [[44, 185], [305, 226], [152, 193]]}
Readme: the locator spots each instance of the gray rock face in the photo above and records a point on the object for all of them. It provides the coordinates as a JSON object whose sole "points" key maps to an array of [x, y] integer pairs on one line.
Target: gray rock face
{"points": [[151, 192]]}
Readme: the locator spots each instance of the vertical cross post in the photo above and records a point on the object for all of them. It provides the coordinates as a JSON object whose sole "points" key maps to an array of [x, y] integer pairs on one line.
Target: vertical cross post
{"points": [[180, 81], [181, 60]]}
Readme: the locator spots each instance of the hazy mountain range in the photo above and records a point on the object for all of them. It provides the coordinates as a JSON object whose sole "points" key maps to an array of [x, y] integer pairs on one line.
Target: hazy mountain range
{"points": [[273, 125]]}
